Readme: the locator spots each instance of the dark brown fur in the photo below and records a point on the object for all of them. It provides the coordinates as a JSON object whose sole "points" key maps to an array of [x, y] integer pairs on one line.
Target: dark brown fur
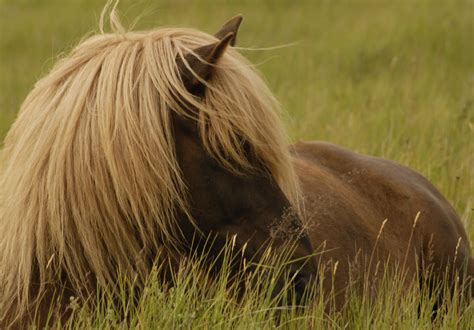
{"points": [[348, 196]]}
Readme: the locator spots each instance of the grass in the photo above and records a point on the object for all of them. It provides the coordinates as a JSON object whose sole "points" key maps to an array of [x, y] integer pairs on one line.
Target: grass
{"points": [[387, 78], [190, 304], [200, 299]]}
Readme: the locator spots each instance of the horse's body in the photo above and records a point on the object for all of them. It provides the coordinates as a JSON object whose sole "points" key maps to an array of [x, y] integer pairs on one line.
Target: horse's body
{"points": [[137, 143], [363, 213]]}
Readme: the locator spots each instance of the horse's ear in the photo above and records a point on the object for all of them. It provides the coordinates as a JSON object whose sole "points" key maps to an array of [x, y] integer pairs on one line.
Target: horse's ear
{"points": [[231, 25], [202, 62]]}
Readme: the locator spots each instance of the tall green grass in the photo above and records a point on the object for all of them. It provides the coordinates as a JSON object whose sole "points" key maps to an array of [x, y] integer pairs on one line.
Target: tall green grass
{"points": [[388, 78], [204, 299]]}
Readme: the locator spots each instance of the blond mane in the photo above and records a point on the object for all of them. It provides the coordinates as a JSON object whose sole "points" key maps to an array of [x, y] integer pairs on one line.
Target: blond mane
{"points": [[89, 178]]}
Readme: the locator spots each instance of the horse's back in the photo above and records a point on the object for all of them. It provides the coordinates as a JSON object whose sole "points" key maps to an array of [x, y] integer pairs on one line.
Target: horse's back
{"points": [[363, 206]]}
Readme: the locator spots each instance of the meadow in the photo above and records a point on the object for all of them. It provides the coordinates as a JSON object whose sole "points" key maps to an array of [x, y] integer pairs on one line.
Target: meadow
{"points": [[387, 78]]}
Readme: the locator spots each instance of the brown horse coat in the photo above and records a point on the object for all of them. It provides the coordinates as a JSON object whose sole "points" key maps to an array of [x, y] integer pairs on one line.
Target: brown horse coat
{"points": [[348, 197]]}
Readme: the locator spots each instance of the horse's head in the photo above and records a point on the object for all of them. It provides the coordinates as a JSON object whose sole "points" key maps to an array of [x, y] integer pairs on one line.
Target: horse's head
{"points": [[128, 138], [231, 199]]}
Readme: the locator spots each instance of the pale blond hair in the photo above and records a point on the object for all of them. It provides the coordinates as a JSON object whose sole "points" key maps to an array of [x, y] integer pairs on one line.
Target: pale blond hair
{"points": [[89, 178]]}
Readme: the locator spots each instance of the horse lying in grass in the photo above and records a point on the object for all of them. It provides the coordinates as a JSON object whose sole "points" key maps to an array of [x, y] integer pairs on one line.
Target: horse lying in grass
{"points": [[137, 142]]}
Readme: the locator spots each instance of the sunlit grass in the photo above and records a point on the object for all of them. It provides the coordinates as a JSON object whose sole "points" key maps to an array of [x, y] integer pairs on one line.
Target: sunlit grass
{"points": [[248, 300], [388, 78]]}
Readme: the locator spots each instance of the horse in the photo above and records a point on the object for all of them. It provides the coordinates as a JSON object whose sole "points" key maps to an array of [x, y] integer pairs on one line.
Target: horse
{"points": [[137, 142]]}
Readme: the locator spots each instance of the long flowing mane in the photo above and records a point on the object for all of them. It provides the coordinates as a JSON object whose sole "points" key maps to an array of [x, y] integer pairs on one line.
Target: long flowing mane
{"points": [[89, 178]]}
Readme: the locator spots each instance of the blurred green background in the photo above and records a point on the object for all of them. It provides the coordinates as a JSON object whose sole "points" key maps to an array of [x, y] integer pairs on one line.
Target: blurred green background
{"points": [[389, 78]]}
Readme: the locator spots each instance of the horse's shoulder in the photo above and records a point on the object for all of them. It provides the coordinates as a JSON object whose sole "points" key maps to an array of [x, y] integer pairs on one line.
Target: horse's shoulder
{"points": [[341, 161], [365, 176], [377, 178], [397, 190]]}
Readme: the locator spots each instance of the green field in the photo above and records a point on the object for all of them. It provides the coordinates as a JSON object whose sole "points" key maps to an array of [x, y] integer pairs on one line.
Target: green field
{"points": [[387, 78]]}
